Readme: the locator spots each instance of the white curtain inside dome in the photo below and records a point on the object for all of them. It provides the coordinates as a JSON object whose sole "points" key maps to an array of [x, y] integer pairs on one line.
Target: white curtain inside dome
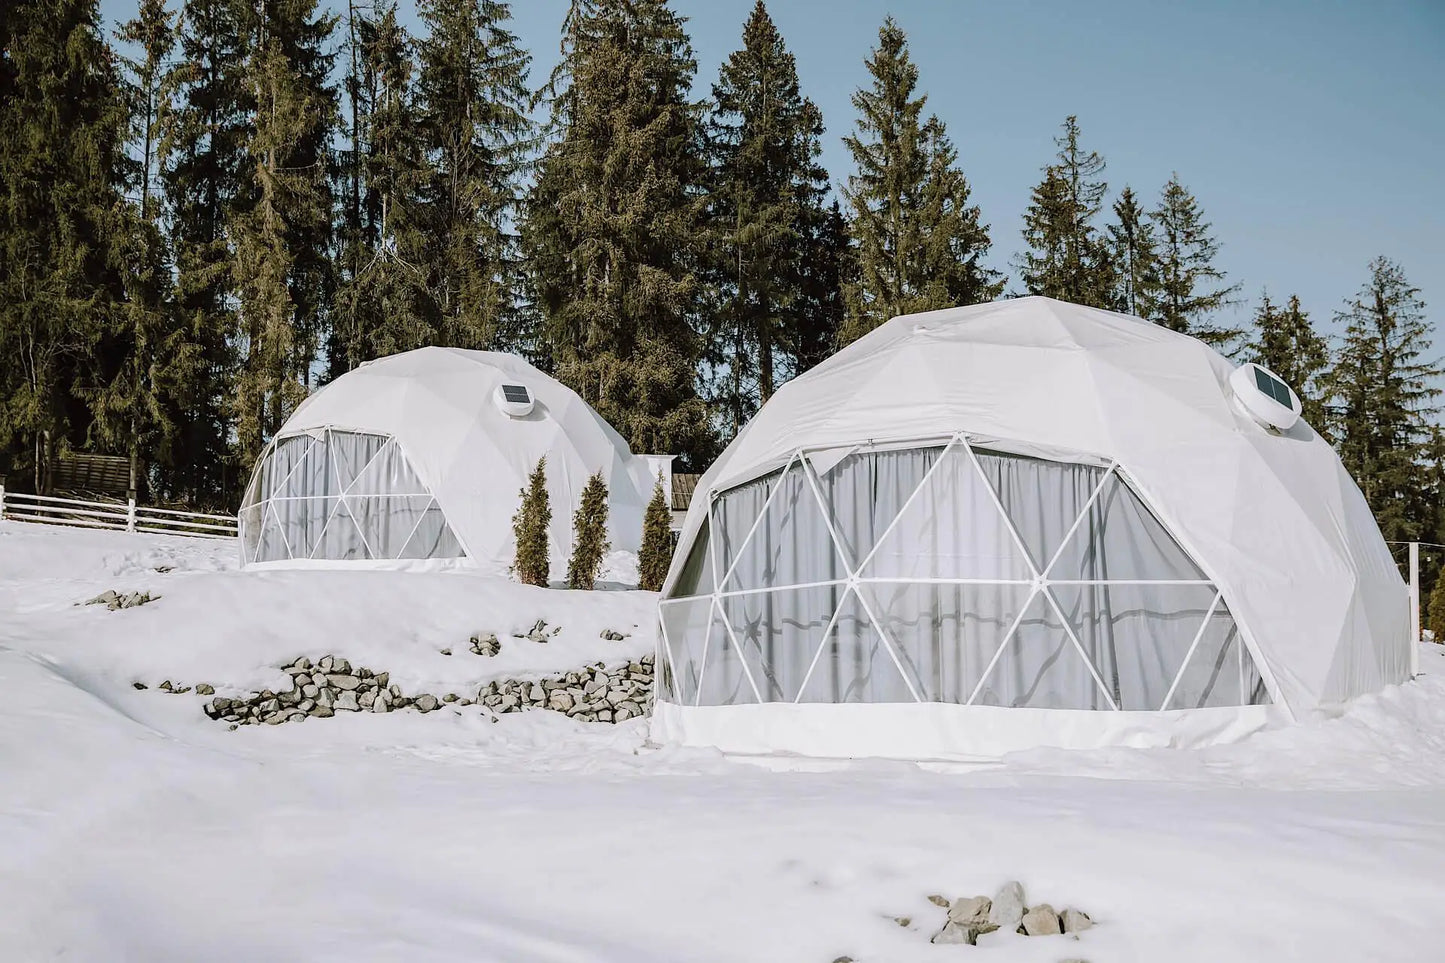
{"points": [[948, 574], [341, 495]]}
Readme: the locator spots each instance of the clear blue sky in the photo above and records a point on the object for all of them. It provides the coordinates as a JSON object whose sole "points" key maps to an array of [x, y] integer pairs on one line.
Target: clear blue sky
{"points": [[1312, 131]]}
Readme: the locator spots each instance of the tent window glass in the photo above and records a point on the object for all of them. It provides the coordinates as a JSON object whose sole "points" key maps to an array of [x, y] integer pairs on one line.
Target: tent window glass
{"points": [[950, 574], [341, 495]]}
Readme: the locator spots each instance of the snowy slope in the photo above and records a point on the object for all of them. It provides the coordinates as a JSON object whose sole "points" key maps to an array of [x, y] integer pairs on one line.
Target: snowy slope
{"points": [[132, 828]]}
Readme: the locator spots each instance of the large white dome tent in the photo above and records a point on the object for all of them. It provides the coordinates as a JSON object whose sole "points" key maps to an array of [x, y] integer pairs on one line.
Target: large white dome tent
{"points": [[1016, 524], [417, 459]]}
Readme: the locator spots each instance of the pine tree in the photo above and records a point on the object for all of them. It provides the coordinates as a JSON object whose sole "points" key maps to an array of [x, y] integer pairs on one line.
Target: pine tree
{"points": [[613, 229], [1134, 258], [1191, 288], [61, 171], [1383, 390], [831, 266], [1067, 257], [529, 529], [281, 239], [1286, 343], [132, 407], [920, 243], [473, 115], [655, 556], [589, 535], [384, 305], [204, 122], [767, 201]]}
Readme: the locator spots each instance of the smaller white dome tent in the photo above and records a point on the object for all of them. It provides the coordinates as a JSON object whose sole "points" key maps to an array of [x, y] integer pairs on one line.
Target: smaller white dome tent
{"points": [[417, 459], [1017, 524]]}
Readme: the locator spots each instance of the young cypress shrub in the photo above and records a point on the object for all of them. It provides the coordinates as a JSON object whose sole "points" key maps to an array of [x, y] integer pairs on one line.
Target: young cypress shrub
{"points": [[529, 526], [1436, 623], [656, 554], [589, 535]]}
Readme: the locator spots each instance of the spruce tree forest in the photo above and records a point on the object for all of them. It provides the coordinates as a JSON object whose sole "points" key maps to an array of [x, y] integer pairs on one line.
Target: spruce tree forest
{"points": [[227, 203]]}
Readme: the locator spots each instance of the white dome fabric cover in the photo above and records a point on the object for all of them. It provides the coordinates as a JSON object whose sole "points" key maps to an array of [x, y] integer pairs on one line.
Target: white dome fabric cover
{"points": [[1014, 524], [413, 451]]}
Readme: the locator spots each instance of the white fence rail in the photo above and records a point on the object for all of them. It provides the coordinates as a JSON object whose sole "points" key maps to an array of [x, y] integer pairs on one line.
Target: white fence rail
{"points": [[124, 516]]}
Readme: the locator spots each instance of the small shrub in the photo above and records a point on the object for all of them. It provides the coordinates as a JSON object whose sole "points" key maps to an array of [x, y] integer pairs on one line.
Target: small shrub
{"points": [[656, 554], [529, 526], [589, 535]]}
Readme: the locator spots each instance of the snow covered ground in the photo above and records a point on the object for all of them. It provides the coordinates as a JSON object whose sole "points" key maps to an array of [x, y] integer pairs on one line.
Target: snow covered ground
{"points": [[133, 828]]}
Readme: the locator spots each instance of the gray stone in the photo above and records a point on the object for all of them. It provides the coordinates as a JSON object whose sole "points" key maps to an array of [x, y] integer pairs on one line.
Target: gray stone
{"points": [[954, 933], [367, 699], [340, 666], [205, 688], [1041, 920], [302, 663], [633, 709], [309, 691], [426, 703], [104, 598], [301, 679], [450, 697], [322, 712], [1075, 920], [364, 672], [306, 705], [446, 651], [1008, 906], [395, 691], [383, 679], [319, 680], [612, 636], [561, 701], [347, 682], [166, 686], [139, 685], [275, 718], [604, 715], [968, 908], [380, 704], [325, 664], [326, 697], [346, 701]]}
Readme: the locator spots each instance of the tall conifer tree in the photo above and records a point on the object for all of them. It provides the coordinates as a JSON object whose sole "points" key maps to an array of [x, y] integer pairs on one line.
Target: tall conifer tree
{"points": [[384, 305], [614, 224], [207, 109], [1286, 343], [1134, 258], [1383, 387], [472, 112], [1067, 257], [920, 243], [61, 168], [1191, 287], [281, 239], [768, 204]]}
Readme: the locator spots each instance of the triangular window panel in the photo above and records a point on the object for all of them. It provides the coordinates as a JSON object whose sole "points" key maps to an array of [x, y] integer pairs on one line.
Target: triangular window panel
{"points": [[685, 627], [779, 633], [343, 539], [1041, 498], [387, 473], [1040, 668], [1221, 672], [790, 546], [721, 678], [853, 663], [389, 522], [1137, 636], [282, 463], [271, 544], [696, 577], [865, 490], [949, 528], [946, 633], [351, 452], [432, 537], [1119, 538]]}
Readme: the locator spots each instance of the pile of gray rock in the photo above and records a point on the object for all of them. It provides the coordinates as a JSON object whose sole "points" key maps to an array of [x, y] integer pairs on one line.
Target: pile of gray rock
{"points": [[329, 686], [486, 644], [598, 693], [114, 600], [970, 917]]}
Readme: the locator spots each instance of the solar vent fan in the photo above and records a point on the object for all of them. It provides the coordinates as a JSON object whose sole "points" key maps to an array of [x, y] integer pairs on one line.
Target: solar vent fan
{"points": [[1265, 397], [515, 400]]}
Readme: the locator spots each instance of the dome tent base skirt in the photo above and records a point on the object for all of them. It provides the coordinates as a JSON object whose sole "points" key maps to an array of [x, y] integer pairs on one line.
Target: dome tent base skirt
{"points": [[932, 731]]}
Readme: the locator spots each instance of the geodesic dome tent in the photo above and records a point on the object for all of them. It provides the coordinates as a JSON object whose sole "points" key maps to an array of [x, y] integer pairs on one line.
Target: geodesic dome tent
{"points": [[417, 460], [1017, 524]]}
